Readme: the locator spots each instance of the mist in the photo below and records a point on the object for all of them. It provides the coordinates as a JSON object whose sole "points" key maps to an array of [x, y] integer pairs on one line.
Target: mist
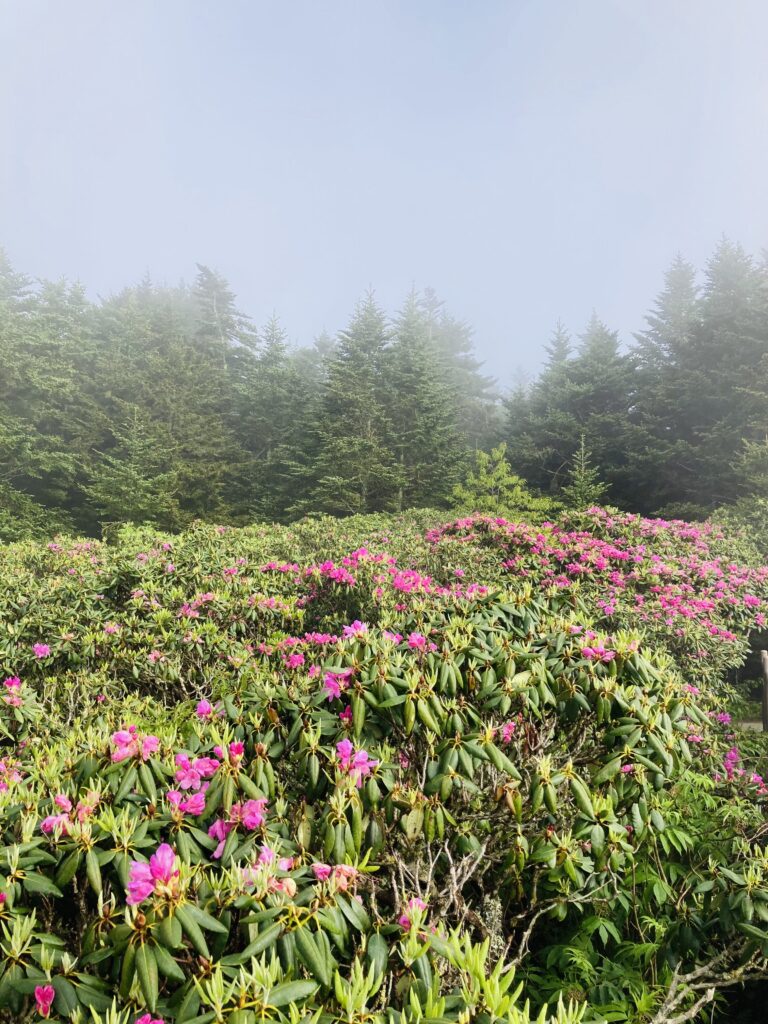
{"points": [[527, 161]]}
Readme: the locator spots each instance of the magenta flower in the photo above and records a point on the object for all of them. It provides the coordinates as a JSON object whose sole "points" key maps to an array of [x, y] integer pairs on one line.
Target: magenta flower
{"points": [[357, 629], [405, 919], [356, 763], [147, 1018], [204, 709], [194, 804], [41, 651], [506, 731], [156, 877], [336, 682], [44, 996], [54, 821], [220, 829], [322, 872]]}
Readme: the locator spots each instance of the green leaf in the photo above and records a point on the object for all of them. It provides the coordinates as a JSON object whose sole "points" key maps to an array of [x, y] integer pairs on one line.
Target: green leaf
{"points": [[34, 882], [291, 992]]}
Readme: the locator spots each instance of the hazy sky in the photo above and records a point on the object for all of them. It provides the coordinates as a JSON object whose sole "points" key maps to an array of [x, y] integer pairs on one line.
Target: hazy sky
{"points": [[528, 159]]}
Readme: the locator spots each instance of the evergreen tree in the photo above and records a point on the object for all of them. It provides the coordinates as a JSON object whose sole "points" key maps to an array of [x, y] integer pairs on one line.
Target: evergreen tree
{"points": [[589, 392], [584, 488], [491, 488], [424, 413], [135, 481], [479, 403], [354, 468]]}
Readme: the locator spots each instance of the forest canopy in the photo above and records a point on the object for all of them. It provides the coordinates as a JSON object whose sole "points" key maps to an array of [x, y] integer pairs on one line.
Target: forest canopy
{"points": [[168, 404]]}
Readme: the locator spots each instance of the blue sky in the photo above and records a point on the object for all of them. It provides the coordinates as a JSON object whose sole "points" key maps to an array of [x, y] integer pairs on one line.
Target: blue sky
{"points": [[527, 159]]}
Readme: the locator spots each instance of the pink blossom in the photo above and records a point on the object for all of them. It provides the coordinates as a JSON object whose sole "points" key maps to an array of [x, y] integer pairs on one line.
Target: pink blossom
{"points": [[204, 709], [356, 629], [414, 904], [253, 813], [357, 764], [194, 804], [157, 876], [44, 996], [336, 682], [41, 651], [53, 822], [343, 875], [322, 872], [287, 886], [220, 829]]}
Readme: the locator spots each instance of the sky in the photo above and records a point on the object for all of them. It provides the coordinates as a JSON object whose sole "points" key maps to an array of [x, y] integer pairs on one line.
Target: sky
{"points": [[528, 159]]}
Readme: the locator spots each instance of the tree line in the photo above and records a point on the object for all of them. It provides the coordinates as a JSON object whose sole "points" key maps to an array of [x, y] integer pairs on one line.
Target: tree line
{"points": [[167, 404]]}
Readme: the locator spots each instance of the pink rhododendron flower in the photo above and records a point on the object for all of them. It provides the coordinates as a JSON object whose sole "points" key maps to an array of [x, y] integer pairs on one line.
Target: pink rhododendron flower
{"points": [[41, 651], [345, 716], [13, 696], [356, 629], [287, 886], [129, 743], [506, 731], [336, 682], [413, 904], [343, 875], [253, 813], [220, 829], [54, 821], [204, 709], [44, 996], [147, 1018], [194, 804], [322, 872], [356, 763], [159, 876]]}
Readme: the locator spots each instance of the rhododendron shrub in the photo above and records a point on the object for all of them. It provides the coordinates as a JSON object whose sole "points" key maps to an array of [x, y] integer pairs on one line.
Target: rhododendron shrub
{"points": [[259, 806]]}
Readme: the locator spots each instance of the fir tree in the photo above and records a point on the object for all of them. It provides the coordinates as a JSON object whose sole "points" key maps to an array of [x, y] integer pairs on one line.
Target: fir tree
{"points": [[491, 488], [354, 468], [584, 488]]}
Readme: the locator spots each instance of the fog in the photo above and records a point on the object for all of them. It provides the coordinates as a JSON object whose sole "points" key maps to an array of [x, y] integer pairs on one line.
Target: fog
{"points": [[527, 160]]}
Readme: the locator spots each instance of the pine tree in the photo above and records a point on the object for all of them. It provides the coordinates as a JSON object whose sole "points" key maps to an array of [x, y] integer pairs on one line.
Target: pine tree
{"points": [[135, 481], [584, 488], [424, 412], [354, 467], [480, 417], [491, 488]]}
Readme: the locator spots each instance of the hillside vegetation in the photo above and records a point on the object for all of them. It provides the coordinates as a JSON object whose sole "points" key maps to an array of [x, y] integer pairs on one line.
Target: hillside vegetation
{"points": [[169, 405], [380, 769]]}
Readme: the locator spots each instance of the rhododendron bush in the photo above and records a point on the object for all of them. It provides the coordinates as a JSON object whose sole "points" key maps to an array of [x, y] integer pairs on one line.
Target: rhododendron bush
{"points": [[383, 770]]}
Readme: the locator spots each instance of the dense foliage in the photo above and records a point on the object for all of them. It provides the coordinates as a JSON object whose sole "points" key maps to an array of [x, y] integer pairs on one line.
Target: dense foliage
{"points": [[166, 405], [379, 769], [667, 420]]}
